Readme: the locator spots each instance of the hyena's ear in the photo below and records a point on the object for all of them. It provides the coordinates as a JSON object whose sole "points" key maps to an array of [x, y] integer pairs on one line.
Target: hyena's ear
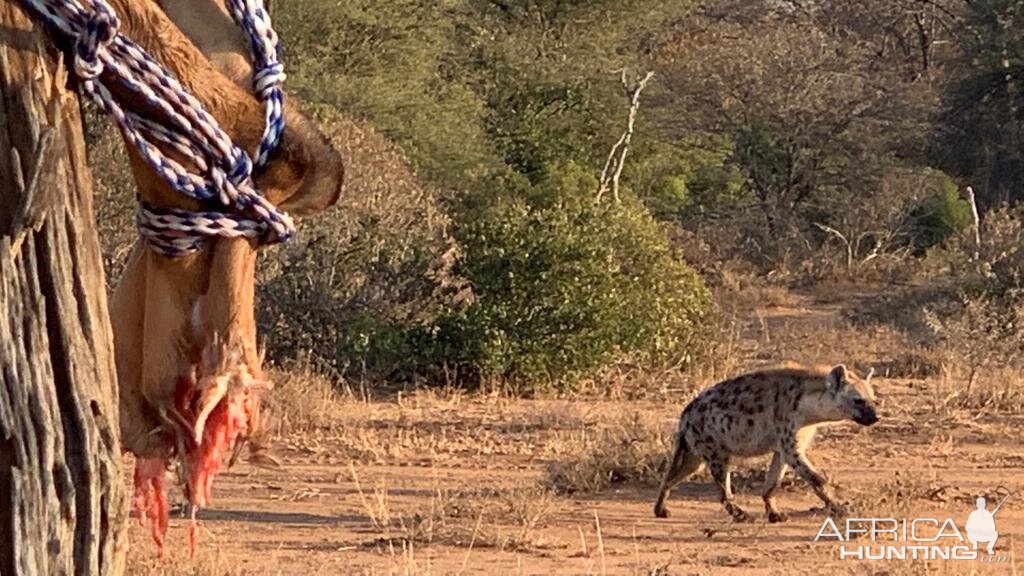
{"points": [[836, 377]]}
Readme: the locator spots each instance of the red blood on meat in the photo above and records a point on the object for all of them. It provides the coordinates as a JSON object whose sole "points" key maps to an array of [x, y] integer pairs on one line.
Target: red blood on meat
{"points": [[226, 422], [150, 499]]}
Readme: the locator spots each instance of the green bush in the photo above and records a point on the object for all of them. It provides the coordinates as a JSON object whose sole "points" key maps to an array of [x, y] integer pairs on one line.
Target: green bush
{"points": [[680, 180], [364, 282], [939, 216], [564, 285]]}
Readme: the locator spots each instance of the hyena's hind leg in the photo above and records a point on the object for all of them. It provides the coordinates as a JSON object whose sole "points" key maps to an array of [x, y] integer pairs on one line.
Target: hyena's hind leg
{"points": [[718, 465], [684, 463]]}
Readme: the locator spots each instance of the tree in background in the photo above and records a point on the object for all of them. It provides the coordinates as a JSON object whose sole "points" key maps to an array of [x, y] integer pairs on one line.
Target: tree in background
{"points": [[783, 134], [810, 111], [983, 114]]}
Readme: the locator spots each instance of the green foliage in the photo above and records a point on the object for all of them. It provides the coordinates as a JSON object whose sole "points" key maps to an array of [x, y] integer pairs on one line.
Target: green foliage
{"points": [[939, 216], [473, 89], [388, 62], [676, 179], [484, 97], [997, 265], [564, 285], [547, 72], [761, 121]]}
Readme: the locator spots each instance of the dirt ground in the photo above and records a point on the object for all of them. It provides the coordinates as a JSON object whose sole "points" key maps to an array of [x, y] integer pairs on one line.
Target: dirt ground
{"points": [[449, 483]]}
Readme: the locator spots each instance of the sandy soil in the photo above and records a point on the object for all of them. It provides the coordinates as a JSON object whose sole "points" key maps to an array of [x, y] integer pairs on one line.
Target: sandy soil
{"points": [[452, 484]]}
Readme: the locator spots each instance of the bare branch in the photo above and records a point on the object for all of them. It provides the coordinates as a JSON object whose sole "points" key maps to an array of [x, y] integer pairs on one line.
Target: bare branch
{"points": [[616, 161], [975, 221], [846, 242]]}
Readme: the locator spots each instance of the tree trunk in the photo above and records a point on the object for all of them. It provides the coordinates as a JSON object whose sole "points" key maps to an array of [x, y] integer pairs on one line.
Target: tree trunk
{"points": [[62, 496]]}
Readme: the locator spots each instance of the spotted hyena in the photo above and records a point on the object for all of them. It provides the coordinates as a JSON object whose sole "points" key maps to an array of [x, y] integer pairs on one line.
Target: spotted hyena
{"points": [[773, 411]]}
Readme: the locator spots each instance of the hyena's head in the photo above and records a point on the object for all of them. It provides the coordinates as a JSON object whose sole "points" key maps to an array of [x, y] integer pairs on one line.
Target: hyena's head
{"points": [[853, 397]]}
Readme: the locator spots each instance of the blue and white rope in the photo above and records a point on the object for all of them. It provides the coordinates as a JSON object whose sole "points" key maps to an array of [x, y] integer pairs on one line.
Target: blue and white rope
{"points": [[268, 72], [219, 172]]}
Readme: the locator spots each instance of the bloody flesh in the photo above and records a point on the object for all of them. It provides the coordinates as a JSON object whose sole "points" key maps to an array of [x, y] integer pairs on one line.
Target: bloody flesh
{"points": [[227, 422]]}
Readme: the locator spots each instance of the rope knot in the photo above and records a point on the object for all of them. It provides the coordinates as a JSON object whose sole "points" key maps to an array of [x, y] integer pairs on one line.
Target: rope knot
{"points": [[100, 30], [228, 180], [268, 78], [206, 165]]}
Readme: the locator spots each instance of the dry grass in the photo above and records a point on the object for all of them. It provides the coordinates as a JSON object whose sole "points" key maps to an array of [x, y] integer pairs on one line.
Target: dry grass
{"points": [[633, 447], [994, 390], [139, 566], [302, 400], [917, 363], [142, 560], [535, 451], [916, 568], [462, 516], [768, 296], [895, 498]]}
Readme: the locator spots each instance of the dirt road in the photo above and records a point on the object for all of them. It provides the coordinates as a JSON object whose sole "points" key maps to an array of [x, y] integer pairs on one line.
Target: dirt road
{"points": [[435, 483]]}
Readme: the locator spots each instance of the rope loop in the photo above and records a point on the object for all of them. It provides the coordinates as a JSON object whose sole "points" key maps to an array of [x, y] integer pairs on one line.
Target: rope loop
{"points": [[207, 165], [99, 31], [268, 79], [240, 168], [268, 72]]}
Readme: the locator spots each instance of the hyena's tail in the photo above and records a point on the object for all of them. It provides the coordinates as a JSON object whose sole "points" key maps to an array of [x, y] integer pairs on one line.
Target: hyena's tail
{"points": [[684, 462]]}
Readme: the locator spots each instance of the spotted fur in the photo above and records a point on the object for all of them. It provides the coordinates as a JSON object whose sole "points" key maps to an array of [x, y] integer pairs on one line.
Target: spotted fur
{"points": [[771, 411]]}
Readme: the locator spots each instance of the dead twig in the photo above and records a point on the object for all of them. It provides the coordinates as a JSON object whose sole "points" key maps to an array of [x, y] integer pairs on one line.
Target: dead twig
{"points": [[613, 166]]}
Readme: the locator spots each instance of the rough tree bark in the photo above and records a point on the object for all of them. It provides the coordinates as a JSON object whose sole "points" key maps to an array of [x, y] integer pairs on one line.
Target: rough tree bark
{"points": [[62, 497]]}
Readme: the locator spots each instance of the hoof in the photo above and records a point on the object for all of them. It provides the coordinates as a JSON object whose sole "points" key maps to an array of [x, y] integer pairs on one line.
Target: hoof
{"points": [[776, 517]]}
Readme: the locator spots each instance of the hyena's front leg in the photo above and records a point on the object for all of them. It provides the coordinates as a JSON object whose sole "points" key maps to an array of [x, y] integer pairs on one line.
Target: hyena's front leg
{"points": [[803, 468], [771, 482], [718, 465]]}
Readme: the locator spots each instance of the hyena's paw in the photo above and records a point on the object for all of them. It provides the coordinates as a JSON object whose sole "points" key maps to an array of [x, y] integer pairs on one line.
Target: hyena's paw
{"points": [[776, 517], [660, 511], [737, 513]]}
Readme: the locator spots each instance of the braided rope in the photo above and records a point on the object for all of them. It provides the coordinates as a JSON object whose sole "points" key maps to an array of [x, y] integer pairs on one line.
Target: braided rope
{"points": [[219, 172], [268, 71]]}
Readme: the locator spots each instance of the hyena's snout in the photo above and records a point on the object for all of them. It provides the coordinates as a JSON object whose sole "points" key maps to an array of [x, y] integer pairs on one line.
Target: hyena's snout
{"points": [[864, 413]]}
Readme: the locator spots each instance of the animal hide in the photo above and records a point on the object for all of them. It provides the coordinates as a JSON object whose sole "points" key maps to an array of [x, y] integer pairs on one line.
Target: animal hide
{"points": [[190, 376]]}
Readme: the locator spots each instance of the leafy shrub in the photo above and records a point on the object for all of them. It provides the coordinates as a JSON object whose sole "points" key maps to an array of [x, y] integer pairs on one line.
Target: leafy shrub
{"points": [[386, 62], [985, 328], [996, 265], [674, 181], [564, 285], [983, 325], [939, 216], [367, 279]]}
